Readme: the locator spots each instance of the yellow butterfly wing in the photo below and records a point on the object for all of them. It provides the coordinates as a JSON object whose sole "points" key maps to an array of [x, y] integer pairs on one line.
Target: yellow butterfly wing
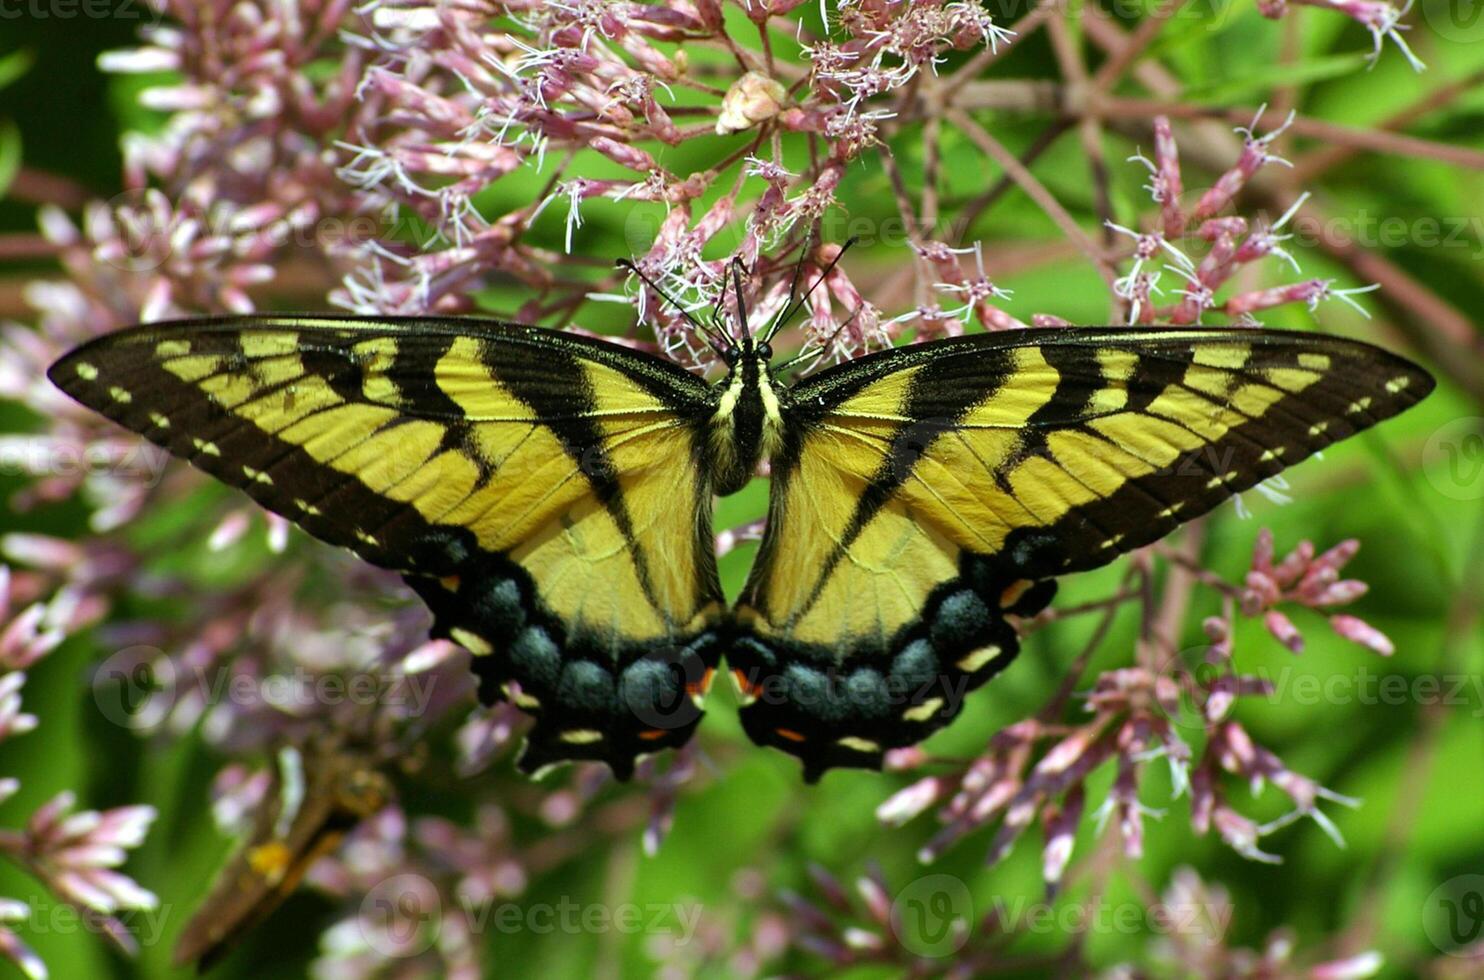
{"points": [[924, 493], [539, 490]]}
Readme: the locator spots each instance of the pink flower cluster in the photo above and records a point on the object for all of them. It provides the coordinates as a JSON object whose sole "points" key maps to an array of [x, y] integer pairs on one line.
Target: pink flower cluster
{"points": [[1229, 240], [1162, 708], [1308, 581]]}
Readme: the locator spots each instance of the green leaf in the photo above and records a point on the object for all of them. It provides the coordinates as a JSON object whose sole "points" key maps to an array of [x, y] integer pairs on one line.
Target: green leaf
{"points": [[10, 153], [13, 66]]}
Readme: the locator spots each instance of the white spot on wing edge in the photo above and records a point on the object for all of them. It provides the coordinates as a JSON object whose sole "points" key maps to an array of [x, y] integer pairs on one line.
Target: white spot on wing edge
{"points": [[520, 698], [924, 711], [971, 662]]}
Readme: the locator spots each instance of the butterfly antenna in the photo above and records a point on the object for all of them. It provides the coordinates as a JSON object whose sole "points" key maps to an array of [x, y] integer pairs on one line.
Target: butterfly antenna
{"points": [[819, 350], [788, 314], [793, 286], [708, 333], [741, 303]]}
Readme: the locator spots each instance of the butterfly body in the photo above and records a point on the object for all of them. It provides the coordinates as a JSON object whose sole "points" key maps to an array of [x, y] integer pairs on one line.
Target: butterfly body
{"points": [[549, 496], [748, 425]]}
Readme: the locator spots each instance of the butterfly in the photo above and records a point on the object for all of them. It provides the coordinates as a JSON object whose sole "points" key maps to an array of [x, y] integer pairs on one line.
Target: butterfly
{"points": [[550, 495]]}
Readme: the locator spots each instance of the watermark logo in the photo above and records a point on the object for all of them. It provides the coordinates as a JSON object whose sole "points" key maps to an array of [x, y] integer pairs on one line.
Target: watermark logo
{"points": [[641, 228], [1453, 915], [401, 916], [933, 915], [657, 689], [135, 687], [1189, 690], [40, 914], [1208, 920], [146, 228], [1455, 20], [1453, 458], [139, 686]]}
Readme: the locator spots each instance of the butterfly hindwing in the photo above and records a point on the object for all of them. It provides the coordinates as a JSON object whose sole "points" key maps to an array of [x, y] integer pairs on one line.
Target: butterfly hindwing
{"points": [[542, 492], [922, 494]]}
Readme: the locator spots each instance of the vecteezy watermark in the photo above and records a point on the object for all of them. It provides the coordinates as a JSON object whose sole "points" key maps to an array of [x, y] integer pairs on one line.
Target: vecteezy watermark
{"points": [[571, 918], [1453, 458], [74, 9], [43, 456], [1453, 915], [135, 687], [1460, 232], [139, 686], [47, 916], [933, 916], [1209, 919], [149, 230], [808, 686], [1366, 687], [403, 914], [1195, 693]]}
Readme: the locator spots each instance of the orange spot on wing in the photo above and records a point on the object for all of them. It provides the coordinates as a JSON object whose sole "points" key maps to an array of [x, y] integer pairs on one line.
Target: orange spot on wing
{"points": [[745, 686], [704, 685], [789, 734], [649, 735]]}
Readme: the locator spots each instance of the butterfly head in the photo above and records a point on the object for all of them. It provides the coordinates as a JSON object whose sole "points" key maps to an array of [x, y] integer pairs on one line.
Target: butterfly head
{"points": [[758, 353]]}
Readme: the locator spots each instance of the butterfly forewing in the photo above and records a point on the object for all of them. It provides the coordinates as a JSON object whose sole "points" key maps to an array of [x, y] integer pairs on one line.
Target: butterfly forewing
{"points": [[927, 492], [541, 492]]}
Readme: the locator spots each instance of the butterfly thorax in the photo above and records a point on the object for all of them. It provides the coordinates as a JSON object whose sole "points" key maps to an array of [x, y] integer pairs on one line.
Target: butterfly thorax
{"points": [[747, 426]]}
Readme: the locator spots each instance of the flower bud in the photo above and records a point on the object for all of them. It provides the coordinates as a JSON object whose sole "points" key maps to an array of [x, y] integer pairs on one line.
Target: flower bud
{"points": [[752, 99]]}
